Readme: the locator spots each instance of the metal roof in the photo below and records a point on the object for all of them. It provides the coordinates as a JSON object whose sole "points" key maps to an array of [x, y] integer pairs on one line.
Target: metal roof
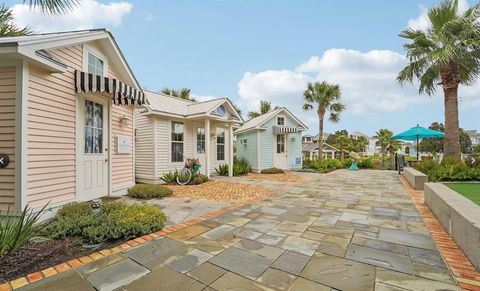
{"points": [[258, 121], [166, 104]]}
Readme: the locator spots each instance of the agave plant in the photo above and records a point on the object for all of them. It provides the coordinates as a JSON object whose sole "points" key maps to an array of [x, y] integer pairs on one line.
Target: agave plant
{"points": [[17, 230]]}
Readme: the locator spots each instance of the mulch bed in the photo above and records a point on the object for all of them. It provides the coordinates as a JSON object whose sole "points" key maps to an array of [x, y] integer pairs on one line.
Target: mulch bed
{"points": [[34, 257]]}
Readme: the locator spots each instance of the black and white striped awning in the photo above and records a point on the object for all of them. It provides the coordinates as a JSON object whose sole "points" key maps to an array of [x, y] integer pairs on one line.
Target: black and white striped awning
{"points": [[121, 93], [285, 129]]}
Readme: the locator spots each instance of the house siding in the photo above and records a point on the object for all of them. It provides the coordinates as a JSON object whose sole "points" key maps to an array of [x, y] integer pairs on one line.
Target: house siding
{"points": [[153, 143], [266, 143], [51, 121], [123, 173], [249, 150], [7, 134], [144, 146]]}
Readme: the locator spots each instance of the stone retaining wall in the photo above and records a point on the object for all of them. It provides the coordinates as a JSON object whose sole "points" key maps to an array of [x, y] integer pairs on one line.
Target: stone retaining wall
{"points": [[416, 178], [459, 216]]}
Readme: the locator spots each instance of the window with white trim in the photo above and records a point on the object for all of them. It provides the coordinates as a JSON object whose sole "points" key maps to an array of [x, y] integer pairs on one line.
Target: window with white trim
{"points": [[200, 140], [280, 120], [220, 144], [95, 65], [280, 143], [177, 141]]}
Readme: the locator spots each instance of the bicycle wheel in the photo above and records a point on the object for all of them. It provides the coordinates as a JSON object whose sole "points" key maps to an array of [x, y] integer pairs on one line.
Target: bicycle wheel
{"points": [[184, 176]]}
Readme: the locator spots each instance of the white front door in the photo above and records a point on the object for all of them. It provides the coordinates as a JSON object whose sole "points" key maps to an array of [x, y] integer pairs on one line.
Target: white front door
{"points": [[200, 147], [93, 163], [280, 152]]}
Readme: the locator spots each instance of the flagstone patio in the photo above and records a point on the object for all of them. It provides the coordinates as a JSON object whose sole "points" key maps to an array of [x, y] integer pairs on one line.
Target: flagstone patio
{"points": [[345, 230]]}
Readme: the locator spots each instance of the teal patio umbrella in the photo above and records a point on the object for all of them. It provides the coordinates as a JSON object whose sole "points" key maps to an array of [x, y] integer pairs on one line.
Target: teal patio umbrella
{"points": [[418, 132]]}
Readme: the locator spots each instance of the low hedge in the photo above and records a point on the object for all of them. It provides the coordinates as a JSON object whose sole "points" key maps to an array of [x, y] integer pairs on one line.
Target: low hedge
{"points": [[114, 220], [449, 170], [149, 191], [272, 171]]}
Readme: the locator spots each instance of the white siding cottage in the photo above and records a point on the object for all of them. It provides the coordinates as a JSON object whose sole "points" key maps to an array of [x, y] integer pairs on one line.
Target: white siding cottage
{"points": [[169, 129]]}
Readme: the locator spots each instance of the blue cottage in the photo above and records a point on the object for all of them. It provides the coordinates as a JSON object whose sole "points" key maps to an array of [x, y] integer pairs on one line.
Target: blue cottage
{"points": [[273, 139]]}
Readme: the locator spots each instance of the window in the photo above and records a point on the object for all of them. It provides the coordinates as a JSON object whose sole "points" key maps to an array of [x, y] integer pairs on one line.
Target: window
{"points": [[177, 142], [93, 127], [281, 121], [95, 65], [220, 144], [200, 140], [280, 143]]}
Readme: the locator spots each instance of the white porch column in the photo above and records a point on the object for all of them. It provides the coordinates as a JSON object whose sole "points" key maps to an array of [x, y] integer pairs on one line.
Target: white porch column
{"points": [[207, 147], [230, 150]]}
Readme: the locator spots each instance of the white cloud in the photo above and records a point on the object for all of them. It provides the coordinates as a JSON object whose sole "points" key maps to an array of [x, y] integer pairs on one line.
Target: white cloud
{"points": [[202, 98], [367, 80], [276, 86], [423, 23], [87, 14]]}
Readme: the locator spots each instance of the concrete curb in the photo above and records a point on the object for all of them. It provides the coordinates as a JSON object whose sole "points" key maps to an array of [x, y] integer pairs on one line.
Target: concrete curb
{"points": [[463, 271], [459, 216]]}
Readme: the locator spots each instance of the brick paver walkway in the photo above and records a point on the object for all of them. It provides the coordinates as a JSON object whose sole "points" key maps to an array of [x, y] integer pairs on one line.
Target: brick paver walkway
{"points": [[221, 191], [346, 230], [464, 272]]}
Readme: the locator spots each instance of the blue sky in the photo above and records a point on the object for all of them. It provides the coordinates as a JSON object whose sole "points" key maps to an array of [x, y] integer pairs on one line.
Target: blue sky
{"points": [[264, 49]]}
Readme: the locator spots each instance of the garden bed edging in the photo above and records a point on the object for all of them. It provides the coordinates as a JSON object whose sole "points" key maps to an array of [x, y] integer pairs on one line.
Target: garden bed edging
{"points": [[459, 216]]}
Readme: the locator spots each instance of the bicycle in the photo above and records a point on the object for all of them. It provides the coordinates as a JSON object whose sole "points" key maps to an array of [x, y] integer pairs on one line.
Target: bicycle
{"points": [[190, 169]]}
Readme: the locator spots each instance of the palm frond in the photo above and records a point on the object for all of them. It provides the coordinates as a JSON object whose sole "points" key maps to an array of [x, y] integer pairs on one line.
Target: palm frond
{"points": [[7, 26], [53, 6]]}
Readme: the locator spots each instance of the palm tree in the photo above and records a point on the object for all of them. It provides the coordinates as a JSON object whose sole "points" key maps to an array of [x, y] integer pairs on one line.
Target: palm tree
{"points": [[183, 93], [385, 141], [361, 143], [325, 97], [343, 143], [53, 6], [446, 54], [265, 106], [8, 28]]}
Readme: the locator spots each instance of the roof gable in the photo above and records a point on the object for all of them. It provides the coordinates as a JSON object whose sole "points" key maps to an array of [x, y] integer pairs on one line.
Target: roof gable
{"points": [[35, 47], [163, 104], [259, 121]]}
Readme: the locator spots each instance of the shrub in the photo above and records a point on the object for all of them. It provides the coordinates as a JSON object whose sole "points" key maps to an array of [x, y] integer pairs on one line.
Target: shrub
{"points": [[199, 179], [450, 169], [149, 191], [241, 166], [114, 220], [17, 230], [425, 166], [222, 170], [170, 177], [272, 171]]}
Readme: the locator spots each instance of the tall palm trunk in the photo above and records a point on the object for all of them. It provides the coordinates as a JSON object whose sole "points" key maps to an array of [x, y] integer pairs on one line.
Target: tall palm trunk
{"points": [[451, 143], [450, 81], [321, 114]]}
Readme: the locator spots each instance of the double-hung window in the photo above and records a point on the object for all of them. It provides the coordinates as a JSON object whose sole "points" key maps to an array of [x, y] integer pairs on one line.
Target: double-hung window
{"points": [[200, 140], [220, 144], [177, 141], [95, 65], [281, 121]]}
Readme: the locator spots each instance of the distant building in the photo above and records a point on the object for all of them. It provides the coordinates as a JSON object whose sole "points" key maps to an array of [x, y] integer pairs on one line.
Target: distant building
{"points": [[310, 150], [307, 138], [474, 136]]}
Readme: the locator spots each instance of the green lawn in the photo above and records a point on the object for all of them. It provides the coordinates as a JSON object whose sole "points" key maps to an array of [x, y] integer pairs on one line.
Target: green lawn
{"points": [[468, 190]]}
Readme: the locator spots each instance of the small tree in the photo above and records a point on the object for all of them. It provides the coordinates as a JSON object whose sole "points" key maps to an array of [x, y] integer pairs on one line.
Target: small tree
{"points": [[385, 140], [265, 106], [343, 143], [183, 93], [325, 98]]}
